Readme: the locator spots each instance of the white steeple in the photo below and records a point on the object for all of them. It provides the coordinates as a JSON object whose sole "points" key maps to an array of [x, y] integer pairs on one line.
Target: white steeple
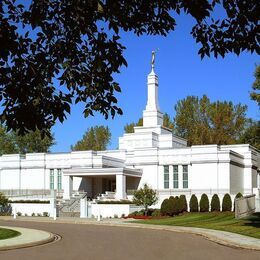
{"points": [[152, 115]]}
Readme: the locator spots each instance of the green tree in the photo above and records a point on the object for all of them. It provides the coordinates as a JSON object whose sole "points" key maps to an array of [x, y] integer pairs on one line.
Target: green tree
{"points": [[204, 203], [32, 142], [77, 45], [255, 94], [194, 205], [251, 134], [95, 138], [226, 203], [167, 122], [3, 200], [201, 121], [215, 203], [146, 197], [129, 128]]}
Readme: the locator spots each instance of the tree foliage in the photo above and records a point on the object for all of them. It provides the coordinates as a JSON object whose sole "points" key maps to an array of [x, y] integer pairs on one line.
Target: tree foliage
{"points": [[145, 196], [76, 45], [255, 94], [194, 205], [3, 200], [201, 121], [167, 122], [32, 142], [226, 203], [95, 138], [204, 203], [251, 134], [215, 203]]}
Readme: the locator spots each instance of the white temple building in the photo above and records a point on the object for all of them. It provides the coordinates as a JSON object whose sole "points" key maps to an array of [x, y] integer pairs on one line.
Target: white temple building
{"points": [[152, 155]]}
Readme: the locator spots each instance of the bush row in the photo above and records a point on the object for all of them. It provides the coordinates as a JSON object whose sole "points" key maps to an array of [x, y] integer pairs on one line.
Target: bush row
{"points": [[176, 205], [30, 201]]}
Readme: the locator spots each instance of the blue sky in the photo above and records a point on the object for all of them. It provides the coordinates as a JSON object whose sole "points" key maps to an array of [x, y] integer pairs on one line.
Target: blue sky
{"points": [[181, 73]]}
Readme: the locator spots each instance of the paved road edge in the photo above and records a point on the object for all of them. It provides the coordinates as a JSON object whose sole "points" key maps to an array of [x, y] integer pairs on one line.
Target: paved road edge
{"points": [[10, 243]]}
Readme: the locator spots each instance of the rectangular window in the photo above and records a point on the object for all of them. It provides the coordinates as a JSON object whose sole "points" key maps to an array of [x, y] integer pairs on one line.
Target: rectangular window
{"points": [[59, 179], [52, 179], [166, 176], [175, 177], [185, 176]]}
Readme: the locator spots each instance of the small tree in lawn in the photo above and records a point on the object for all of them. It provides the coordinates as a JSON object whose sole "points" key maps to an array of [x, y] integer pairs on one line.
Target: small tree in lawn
{"points": [[146, 197], [3, 200]]}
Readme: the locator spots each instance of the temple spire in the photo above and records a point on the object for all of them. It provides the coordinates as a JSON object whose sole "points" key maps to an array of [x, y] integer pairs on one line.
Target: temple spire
{"points": [[152, 115]]}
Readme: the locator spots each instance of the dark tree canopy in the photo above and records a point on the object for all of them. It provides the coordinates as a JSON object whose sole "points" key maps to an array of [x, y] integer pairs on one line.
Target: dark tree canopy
{"points": [[58, 52], [95, 138]]}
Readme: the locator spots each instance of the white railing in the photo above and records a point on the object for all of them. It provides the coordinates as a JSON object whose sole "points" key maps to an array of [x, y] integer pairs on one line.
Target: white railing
{"points": [[27, 193]]}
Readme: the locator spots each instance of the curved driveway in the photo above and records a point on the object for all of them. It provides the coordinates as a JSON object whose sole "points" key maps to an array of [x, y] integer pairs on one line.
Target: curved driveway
{"points": [[81, 241]]}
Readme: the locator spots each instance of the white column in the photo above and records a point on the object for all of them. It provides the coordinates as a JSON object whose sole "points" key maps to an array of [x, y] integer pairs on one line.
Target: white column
{"points": [[120, 186], [248, 189], [68, 186], [53, 212], [83, 208]]}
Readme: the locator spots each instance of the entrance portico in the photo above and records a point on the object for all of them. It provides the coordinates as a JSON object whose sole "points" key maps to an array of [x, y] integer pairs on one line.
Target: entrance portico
{"points": [[101, 180]]}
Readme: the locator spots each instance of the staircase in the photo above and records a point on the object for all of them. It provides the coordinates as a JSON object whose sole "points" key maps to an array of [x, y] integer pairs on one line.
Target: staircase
{"points": [[70, 208]]}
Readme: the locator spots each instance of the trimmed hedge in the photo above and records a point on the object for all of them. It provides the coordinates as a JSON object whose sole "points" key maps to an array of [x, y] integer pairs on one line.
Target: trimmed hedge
{"points": [[194, 207], [165, 207], [183, 202], [226, 203], [30, 201], [215, 203], [204, 203], [115, 202]]}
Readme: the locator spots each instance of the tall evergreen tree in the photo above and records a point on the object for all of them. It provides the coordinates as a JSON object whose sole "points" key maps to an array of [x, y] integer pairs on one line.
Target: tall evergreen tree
{"points": [[32, 142], [201, 121], [255, 94], [95, 138]]}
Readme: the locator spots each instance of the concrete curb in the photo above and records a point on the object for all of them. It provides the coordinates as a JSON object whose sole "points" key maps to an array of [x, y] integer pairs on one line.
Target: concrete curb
{"points": [[28, 238]]}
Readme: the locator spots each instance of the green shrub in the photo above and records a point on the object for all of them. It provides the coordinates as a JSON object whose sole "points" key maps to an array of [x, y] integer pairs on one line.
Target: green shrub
{"points": [[194, 207], [33, 214], [239, 195], [115, 202], [172, 206], [19, 214], [30, 201], [183, 204], [226, 203], [45, 214], [156, 213], [215, 203], [164, 207], [204, 203], [3, 200]]}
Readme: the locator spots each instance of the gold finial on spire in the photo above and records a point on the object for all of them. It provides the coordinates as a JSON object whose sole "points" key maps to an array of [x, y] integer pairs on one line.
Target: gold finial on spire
{"points": [[153, 59]]}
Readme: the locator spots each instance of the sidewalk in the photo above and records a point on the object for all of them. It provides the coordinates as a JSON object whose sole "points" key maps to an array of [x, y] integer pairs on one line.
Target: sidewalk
{"points": [[220, 237], [28, 237]]}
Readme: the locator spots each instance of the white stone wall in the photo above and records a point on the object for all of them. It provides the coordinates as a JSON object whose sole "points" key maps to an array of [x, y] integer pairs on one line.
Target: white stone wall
{"points": [[29, 208]]}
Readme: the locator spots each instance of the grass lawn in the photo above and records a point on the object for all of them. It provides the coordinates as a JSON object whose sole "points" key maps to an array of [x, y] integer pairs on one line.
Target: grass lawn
{"points": [[8, 233], [213, 220]]}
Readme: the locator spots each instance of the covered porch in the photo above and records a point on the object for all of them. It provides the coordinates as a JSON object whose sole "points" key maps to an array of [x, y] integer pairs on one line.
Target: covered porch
{"points": [[111, 182]]}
